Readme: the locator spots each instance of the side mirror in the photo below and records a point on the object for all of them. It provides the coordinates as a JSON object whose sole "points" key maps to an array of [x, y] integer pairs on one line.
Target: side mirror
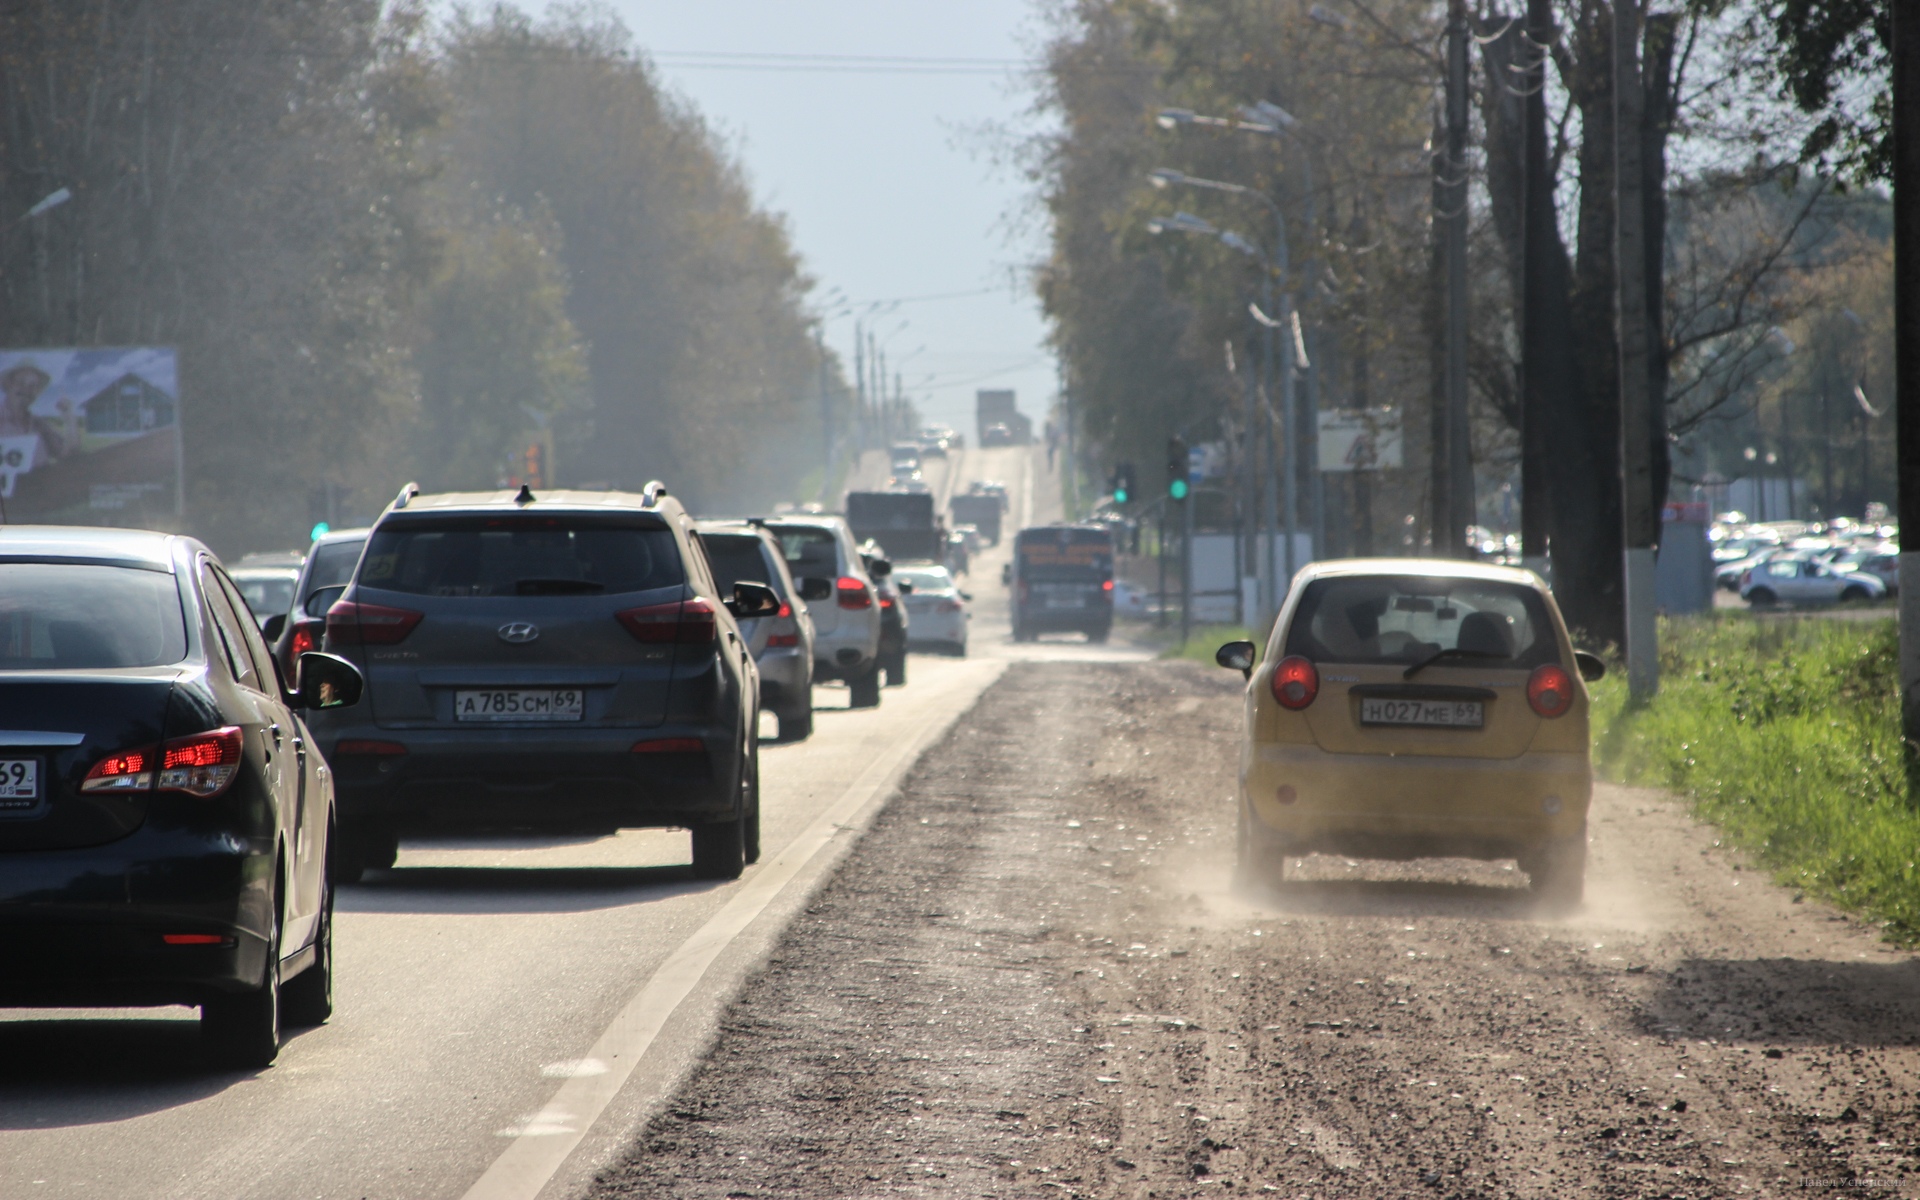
{"points": [[879, 568], [329, 681], [1006, 575], [906, 588], [321, 599], [812, 587], [753, 600], [1591, 668], [967, 596], [275, 626], [1236, 656]]}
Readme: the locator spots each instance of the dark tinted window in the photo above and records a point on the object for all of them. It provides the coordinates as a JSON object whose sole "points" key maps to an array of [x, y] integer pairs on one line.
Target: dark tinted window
{"points": [[1065, 554], [519, 556], [333, 563], [738, 558], [810, 551], [1407, 618], [60, 615]]}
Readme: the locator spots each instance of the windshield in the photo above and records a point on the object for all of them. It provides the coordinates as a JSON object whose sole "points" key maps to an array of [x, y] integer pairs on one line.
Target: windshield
{"points": [[925, 580], [810, 551], [1407, 619], [739, 558], [56, 616], [519, 556]]}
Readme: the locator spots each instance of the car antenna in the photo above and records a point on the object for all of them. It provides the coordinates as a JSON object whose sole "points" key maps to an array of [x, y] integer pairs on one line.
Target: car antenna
{"points": [[526, 494]]}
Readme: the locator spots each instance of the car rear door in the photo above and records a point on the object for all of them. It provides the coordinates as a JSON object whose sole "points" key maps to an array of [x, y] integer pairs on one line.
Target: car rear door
{"points": [[510, 618]]}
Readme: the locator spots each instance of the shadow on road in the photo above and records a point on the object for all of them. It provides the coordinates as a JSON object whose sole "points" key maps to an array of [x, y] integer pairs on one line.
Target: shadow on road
{"points": [[65, 1070], [1789, 1002], [1393, 898], [482, 890]]}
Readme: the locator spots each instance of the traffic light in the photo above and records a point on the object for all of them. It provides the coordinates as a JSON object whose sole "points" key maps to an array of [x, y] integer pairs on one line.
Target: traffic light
{"points": [[1177, 468], [1122, 483]]}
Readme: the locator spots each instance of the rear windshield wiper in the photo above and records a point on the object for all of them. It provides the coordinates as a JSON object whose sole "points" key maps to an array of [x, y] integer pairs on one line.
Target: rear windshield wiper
{"points": [[1450, 652], [556, 587]]}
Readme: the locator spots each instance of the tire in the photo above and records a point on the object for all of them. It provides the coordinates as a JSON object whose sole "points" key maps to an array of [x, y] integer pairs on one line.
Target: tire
{"points": [[1098, 636], [1254, 865], [865, 687], [307, 999], [897, 668], [750, 803], [1854, 594], [1762, 598], [1557, 872], [959, 649], [242, 1031], [796, 726]]}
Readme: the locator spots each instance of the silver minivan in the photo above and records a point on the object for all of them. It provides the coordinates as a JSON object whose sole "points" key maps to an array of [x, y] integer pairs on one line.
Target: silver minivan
{"points": [[841, 598]]}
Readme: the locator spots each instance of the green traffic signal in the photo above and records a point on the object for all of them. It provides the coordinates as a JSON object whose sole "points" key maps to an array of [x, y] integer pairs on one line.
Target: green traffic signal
{"points": [[1177, 489], [1120, 495]]}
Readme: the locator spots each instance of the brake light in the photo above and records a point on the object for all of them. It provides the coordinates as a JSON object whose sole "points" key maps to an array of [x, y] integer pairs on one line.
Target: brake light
{"points": [[305, 639], [129, 771], [196, 939], [358, 747], [886, 602], [669, 746], [1295, 682], [370, 624], [779, 640], [1106, 585], [786, 610], [1550, 690], [688, 622], [852, 593], [948, 606], [201, 764]]}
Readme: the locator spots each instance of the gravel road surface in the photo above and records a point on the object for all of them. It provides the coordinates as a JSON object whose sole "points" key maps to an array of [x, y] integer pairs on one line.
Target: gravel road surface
{"points": [[1033, 978]]}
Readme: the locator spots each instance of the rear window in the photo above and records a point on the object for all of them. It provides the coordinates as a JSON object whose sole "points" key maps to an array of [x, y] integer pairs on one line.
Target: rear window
{"points": [[923, 580], [737, 558], [268, 596], [56, 616], [1409, 618], [332, 564], [810, 551], [519, 556]]}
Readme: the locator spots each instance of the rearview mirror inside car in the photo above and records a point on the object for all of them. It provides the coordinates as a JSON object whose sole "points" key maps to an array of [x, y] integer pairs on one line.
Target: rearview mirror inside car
{"points": [[328, 681], [1236, 656], [321, 599], [812, 587], [753, 600], [1591, 668], [275, 626]]}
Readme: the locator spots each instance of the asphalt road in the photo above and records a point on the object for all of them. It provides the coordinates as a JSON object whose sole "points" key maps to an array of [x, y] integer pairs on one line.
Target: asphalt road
{"points": [[507, 1012]]}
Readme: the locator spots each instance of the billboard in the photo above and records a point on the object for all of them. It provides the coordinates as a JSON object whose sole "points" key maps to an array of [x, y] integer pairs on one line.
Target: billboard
{"points": [[91, 436], [1359, 439]]}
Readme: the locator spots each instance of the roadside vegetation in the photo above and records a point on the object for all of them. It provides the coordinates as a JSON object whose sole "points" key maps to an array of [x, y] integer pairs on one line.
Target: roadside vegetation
{"points": [[1786, 734]]}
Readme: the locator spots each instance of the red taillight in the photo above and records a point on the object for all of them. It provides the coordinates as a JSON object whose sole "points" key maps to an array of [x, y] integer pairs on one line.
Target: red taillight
{"points": [[852, 593], [203, 765], [306, 638], [782, 640], [1550, 690], [947, 606], [1295, 682], [669, 746], [370, 624], [786, 610], [362, 747], [689, 622], [196, 939], [1106, 585]]}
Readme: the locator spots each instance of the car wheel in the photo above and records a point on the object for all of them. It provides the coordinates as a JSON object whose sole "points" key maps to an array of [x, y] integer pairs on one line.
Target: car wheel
{"points": [[897, 669], [796, 726], [1853, 594], [307, 999], [1098, 636], [865, 687], [750, 803], [959, 649], [1557, 871], [1255, 865], [720, 849], [243, 1030], [1761, 598]]}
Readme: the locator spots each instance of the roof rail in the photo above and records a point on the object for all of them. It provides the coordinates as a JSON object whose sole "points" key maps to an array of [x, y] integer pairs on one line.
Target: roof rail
{"points": [[406, 495], [651, 493]]}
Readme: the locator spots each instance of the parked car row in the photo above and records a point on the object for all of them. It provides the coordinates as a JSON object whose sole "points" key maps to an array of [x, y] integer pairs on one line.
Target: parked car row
{"points": [[1797, 562]]}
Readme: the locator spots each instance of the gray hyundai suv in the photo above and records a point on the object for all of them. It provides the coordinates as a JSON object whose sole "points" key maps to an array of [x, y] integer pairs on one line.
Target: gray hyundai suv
{"points": [[560, 663]]}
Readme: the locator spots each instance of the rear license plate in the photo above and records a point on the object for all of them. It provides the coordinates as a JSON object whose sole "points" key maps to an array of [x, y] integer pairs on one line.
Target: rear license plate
{"points": [[19, 782], [520, 704], [1065, 602], [1446, 714]]}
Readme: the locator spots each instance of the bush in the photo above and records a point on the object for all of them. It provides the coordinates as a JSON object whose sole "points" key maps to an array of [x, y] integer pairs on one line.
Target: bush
{"points": [[1786, 734]]}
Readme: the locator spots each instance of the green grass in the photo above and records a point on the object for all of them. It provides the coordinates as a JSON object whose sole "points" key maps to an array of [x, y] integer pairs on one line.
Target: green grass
{"points": [[1786, 734]]}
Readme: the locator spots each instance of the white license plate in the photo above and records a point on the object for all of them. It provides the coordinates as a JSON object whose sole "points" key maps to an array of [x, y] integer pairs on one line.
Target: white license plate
{"points": [[19, 780], [520, 704], [1065, 602], [1448, 714]]}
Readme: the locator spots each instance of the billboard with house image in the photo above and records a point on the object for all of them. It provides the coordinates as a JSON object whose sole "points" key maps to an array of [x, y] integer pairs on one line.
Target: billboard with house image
{"points": [[90, 436]]}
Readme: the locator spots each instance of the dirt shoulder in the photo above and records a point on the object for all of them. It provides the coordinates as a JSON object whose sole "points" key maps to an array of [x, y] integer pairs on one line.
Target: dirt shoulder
{"points": [[1032, 978]]}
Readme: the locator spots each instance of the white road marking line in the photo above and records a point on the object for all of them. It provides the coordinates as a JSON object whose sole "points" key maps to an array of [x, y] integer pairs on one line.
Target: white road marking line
{"points": [[543, 1140]]}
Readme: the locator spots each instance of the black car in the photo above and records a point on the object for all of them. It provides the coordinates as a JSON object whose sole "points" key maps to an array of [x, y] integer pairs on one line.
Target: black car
{"points": [[562, 663], [165, 816], [1062, 579]]}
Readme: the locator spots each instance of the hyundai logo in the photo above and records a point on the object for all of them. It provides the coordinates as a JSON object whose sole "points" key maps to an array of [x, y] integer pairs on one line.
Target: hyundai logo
{"points": [[519, 632]]}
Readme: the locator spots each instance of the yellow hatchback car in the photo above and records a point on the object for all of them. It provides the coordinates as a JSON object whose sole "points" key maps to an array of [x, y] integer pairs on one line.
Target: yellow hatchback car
{"points": [[1417, 708]]}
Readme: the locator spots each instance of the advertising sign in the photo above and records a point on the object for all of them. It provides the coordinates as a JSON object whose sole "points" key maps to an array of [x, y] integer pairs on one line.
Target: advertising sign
{"points": [[90, 436], [1359, 439]]}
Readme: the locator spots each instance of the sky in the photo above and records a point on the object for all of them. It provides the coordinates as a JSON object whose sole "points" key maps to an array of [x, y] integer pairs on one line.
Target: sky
{"points": [[866, 123]]}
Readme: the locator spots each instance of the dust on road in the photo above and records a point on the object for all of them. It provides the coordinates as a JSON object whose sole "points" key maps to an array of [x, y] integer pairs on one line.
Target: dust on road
{"points": [[1033, 978]]}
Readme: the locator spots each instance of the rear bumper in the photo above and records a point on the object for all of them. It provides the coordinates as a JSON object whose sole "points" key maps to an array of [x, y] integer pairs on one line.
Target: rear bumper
{"points": [[563, 780], [938, 629], [86, 927], [1047, 620], [1413, 806]]}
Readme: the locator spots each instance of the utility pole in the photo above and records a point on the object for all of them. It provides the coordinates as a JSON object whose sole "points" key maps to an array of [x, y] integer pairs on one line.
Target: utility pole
{"points": [[1906, 351], [1538, 278], [826, 399], [1459, 450], [1639, 508]]}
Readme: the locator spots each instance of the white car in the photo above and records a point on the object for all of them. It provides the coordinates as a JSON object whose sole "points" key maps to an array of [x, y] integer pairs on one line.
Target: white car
{"points": [[1799, 581], [937, 608]]}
